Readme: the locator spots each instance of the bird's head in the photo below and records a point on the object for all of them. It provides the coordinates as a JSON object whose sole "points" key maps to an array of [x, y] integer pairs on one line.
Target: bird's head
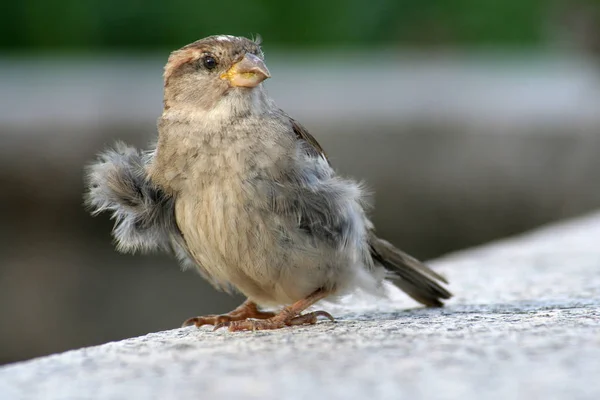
{"points": [[204, 73]]}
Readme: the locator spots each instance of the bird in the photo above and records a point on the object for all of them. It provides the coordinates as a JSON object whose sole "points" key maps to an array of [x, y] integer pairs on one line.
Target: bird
{"points": [[241, 192]]}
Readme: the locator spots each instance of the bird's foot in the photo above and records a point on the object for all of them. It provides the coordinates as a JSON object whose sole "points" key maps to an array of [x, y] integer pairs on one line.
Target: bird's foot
{"points": [[247, 310], [281, 320]]}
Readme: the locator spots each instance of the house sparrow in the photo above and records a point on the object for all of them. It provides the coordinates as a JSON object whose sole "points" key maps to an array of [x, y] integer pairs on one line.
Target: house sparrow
{"points": [[240, 191]]}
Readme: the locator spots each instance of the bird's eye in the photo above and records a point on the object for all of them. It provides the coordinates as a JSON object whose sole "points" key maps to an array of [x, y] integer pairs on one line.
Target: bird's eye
{"points": [[209, 62]]}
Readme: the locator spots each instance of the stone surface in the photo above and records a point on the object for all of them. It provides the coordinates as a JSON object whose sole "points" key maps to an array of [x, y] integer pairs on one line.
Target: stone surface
{"points": [[525, 324]]}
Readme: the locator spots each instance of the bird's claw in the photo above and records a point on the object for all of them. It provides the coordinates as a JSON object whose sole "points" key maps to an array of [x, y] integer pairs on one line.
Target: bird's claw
{"points": [[221, 325], [207, 320], [273, 323], [310, 318]]}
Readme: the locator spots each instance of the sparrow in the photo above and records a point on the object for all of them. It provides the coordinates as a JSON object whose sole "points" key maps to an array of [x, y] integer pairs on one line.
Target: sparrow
{"points": [[241, 192]]}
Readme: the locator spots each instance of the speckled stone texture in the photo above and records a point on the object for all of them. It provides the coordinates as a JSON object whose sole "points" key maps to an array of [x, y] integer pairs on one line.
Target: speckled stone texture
{"points": [[525, 324]]}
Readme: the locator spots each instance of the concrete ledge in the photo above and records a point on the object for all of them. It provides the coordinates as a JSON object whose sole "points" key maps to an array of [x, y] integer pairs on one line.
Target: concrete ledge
{"points": [[525, 324]]}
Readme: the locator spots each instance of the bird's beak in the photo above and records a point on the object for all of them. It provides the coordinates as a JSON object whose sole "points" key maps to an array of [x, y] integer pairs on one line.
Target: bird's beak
{"points": [[248, 72]]}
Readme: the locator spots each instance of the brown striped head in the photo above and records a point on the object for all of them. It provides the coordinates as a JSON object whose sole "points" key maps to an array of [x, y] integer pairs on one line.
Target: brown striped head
{"points": [[200, 74]]}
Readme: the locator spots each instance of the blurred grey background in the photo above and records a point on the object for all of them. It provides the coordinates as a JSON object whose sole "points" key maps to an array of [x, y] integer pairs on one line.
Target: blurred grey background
{"points": [[471, 120]]}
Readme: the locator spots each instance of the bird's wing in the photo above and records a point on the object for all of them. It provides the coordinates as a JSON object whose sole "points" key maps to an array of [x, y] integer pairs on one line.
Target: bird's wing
{"points": [[409, 274], [144, 214], [303, 134]]}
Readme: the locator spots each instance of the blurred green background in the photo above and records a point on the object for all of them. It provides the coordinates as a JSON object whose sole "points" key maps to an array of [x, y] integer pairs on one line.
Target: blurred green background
{"points": [[153, 24], [471, 120]]}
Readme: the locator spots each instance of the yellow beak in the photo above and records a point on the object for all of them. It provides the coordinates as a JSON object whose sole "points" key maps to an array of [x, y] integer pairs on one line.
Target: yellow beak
{"points": [[249, 72]]}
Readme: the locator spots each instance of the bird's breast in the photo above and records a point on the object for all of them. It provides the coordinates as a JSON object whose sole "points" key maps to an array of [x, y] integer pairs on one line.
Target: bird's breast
{"points": [[232, 244]]}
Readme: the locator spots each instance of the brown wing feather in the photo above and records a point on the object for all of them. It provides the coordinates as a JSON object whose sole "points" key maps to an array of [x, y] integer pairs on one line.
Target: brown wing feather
{"points": [[302, 133]]}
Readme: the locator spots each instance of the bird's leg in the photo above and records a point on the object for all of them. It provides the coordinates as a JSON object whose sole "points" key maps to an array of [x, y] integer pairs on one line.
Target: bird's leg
{"points": [[247, 309], [287, 317]]}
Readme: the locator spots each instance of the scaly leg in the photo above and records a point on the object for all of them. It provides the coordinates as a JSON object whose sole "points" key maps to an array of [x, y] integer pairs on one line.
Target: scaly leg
{"points": [[247, 309], [287, 317]]}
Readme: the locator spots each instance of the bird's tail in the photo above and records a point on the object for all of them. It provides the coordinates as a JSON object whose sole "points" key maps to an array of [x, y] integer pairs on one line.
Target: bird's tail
{"points": [[412, 276], [144, 215]]}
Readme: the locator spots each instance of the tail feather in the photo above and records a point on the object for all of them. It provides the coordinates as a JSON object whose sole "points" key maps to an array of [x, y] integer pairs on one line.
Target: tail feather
{"points": [[415, 278]]}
